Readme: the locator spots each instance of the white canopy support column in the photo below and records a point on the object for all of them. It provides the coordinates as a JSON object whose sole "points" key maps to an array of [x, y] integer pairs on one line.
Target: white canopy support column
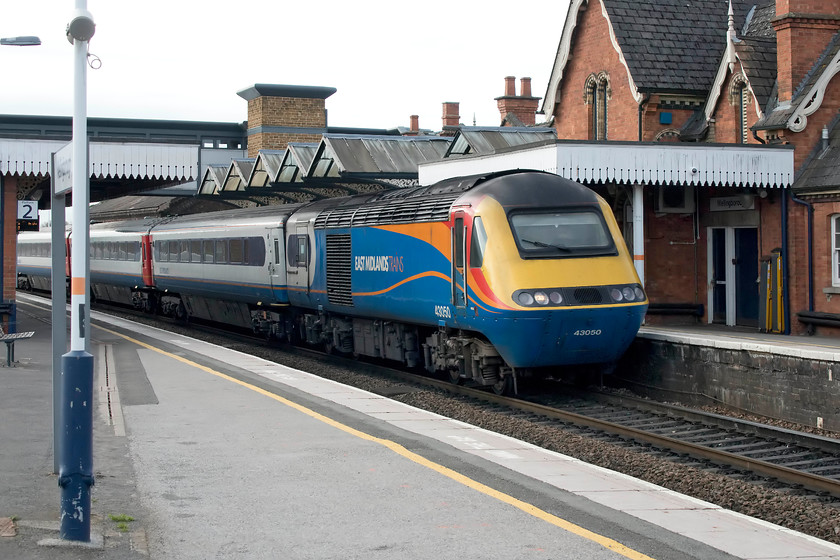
{"points": [[639, 230]]}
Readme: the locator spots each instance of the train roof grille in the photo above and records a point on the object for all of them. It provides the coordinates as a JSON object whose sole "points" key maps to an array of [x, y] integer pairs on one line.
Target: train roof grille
{"points": [[385, 212]]}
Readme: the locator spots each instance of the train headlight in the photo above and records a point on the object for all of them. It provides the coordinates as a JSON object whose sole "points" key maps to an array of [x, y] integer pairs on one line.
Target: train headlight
{"points": [[628, 293], [526, 299], [640, 295], [556, 298], [615, 293], [541, 298]]}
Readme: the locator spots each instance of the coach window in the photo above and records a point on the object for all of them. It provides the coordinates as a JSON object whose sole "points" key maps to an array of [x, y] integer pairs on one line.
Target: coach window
{"points": [[208, 250], [302, 250], [195, 251], [131, 251], [121, 250], [184, 251], [297, 250], [221, 251], [237, 252], [479, 242]]}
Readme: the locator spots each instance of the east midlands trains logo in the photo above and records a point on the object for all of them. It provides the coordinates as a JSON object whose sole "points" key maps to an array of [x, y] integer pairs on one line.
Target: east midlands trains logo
{"points": [[379, 263]]}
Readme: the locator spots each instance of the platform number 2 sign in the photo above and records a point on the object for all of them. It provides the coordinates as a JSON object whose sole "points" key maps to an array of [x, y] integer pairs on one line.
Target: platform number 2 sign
{"points": [[27, 217]]}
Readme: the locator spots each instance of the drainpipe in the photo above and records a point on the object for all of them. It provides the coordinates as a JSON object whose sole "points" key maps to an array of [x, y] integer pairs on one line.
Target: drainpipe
{"points": [[810, 248], [642, 104]]}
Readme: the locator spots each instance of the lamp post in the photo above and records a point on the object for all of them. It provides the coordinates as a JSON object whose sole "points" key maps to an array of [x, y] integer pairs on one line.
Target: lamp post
{"points": [[23, 41], [75, 476]]}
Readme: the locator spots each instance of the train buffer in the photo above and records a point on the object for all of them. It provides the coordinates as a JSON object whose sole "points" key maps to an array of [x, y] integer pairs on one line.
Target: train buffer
{"points": [[10, 340]]}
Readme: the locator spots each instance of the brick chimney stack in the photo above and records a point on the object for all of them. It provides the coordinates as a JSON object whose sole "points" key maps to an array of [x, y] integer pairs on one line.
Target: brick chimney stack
{"points": [[523, 106], [451, 118], [279, 114], [803, 30], [415, 123]]}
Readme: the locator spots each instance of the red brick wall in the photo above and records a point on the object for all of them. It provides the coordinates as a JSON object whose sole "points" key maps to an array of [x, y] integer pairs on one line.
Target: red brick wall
{"points": [[594, 53], [803, 29], [727, 114], [9, 237]]}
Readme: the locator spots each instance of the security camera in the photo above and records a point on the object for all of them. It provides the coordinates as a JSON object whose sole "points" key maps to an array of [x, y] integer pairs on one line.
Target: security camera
{"points": [[81, 27]]}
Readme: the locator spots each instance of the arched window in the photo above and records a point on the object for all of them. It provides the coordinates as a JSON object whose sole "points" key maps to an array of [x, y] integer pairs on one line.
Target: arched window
{"points": [[740, 99], [596, 96]]}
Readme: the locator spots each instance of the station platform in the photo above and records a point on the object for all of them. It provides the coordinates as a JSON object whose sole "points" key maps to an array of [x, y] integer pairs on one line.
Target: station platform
{"points": [[814, 347], [204, 452]]}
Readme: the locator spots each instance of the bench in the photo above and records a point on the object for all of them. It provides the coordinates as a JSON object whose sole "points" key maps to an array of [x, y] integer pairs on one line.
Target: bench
{"points": [[10, 340], [6, 308]]}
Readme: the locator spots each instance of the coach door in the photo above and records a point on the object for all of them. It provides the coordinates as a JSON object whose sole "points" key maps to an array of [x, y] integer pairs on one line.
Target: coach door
{"points": [[459, 277], [276, 266], [297, 259]]}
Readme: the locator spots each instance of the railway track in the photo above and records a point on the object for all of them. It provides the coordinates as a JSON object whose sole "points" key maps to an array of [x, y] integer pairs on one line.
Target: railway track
{"points": [[795, 459], [796, 462]]}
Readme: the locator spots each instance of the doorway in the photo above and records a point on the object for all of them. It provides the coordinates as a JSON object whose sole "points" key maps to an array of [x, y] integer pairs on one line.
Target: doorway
{"points": [[733, 274]]}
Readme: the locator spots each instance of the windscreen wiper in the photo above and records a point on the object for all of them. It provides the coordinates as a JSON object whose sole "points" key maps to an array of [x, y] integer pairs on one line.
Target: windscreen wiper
{"points": [[547, 245]]}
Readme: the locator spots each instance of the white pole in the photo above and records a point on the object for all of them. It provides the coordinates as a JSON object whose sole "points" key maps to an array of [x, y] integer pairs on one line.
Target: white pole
{"points": [[81, 198], [75, 472], [639, 230]]}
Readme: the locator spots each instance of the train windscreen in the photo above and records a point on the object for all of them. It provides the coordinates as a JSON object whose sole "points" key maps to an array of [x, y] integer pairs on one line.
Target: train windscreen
{"points": [[562, 233]]}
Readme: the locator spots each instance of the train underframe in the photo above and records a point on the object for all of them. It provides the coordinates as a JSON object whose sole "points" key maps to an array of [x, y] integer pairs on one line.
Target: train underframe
{"points": [[460, 355]]}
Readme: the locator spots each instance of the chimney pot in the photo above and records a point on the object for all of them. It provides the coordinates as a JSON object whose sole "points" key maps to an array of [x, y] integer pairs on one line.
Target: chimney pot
{"points": [[525, 87], [510, 86]]}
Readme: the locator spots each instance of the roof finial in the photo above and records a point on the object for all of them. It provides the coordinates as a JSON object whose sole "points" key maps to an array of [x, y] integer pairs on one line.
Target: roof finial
{"points": [[731, 31], [731, 38]]}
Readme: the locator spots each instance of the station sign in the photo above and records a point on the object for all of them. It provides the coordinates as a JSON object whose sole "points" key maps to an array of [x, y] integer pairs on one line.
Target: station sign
{"points": [[27, 215], [63, 170]]}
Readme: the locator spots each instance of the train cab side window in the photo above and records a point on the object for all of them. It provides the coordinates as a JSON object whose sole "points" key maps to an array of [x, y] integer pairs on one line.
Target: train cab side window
{"points": [[478, 244], [459, 242]]}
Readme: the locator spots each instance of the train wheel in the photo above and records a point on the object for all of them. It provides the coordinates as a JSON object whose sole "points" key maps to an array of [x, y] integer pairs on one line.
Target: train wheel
{"points": [[504, 386]]}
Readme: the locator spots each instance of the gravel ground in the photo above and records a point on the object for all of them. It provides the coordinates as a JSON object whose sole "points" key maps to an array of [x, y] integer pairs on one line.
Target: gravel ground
{"points": [[809, 514]]}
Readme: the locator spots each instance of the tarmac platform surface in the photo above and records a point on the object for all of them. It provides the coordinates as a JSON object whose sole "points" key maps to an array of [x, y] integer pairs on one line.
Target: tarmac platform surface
{"points": [[216, 454]]}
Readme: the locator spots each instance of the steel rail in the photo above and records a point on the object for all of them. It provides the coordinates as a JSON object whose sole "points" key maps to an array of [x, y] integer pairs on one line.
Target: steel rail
{"points": [[786, 474]]}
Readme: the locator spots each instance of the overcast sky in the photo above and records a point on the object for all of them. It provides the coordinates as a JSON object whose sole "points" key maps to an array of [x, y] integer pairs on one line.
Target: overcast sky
{"points": [[185, 60]]}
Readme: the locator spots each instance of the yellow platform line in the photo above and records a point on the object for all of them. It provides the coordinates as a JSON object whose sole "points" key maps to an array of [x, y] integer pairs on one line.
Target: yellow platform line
{"points": [[530, 509]]}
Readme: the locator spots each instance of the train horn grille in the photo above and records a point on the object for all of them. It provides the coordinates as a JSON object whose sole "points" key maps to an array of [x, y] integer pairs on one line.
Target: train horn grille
{"points": [[587, 296]]}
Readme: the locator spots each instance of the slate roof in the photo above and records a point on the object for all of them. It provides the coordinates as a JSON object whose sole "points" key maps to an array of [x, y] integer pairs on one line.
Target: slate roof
{"points": [[759, 21], [758, 56], [673, 45]]}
